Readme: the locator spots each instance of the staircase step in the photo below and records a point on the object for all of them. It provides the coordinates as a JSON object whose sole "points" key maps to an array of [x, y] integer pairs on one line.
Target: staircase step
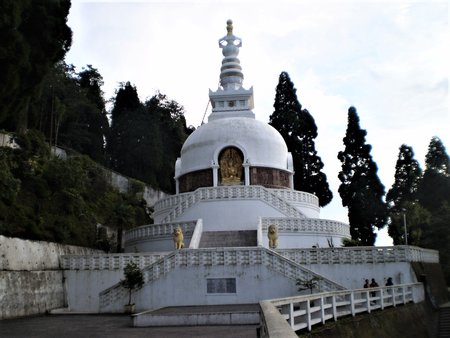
{"points": [[225, 239]]}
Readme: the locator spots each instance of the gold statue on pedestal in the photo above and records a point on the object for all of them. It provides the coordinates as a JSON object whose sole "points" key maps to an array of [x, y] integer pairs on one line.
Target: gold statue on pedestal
{"points": [[178, 238], [273, 236], [230, 166]]}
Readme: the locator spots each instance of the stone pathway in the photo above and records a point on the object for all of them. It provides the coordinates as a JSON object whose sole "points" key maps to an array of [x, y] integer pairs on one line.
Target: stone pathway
{"points": [[111, 326]]}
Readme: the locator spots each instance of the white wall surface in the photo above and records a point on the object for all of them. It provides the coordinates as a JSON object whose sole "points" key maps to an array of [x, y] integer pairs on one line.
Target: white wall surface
{"points": [[30, 280], [20, 254], [84, 286], [229, 215], [25, 293], [352, 276], [187, 286]]}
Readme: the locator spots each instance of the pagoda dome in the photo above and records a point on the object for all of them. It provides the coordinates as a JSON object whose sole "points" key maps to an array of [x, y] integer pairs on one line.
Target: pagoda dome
{"points": [[233, 148], [261, 145]]}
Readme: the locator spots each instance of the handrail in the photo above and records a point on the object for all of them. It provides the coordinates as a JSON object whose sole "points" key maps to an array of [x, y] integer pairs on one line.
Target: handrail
{"points": [[302, 312], [221, 257], [196, 235]]}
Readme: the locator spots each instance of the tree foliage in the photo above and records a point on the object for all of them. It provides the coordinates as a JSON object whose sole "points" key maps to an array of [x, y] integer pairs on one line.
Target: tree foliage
{"points": [[71, 110], [146, 138], [434, 189], [361, 190], [401, 199], [298, 128], [134, 279], [434, 196], [47, 198], [34, 36]]}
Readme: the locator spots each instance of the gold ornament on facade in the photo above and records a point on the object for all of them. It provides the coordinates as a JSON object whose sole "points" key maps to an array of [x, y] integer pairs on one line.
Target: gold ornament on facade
{"points": [[230, 167]]}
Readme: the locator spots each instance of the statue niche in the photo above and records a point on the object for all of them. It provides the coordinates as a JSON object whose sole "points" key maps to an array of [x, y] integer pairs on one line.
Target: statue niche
{"points": [[230, 161]]}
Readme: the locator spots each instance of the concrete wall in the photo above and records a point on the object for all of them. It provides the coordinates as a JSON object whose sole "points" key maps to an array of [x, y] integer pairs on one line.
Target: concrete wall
{"points": [[352, 276], [187, 286], [30, 280]]}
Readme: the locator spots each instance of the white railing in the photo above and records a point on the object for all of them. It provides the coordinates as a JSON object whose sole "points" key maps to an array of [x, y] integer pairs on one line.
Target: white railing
{"points": [[159, 230], [416, 254], [315, 225], [297, 196], [180, 203], [220, 257], [360, 255], [303, 312], [108, 261]]}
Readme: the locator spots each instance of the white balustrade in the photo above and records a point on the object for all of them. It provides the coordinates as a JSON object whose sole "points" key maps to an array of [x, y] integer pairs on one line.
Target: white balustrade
{"points": [[108, 261], [360, 255], [156, 230], [302, 312], [298, 225]]}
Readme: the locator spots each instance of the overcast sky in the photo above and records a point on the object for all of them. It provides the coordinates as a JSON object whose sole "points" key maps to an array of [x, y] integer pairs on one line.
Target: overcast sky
{"points": [[389, 59]]}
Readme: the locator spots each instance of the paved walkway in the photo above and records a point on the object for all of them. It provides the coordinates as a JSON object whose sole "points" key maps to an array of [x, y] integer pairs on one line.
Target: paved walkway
{"points": [[111, 326]]}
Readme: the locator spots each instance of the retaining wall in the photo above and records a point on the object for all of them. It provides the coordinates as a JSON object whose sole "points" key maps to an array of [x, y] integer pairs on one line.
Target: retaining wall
{"points": [[31, 281]]}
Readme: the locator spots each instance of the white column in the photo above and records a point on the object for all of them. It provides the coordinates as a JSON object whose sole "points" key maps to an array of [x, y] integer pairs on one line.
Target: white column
{"points": [[215, 169], [246, 166], [177, 186]]}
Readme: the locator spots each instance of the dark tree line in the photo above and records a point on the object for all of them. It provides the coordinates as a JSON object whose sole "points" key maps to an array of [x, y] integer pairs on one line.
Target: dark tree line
{"points": [[420, 201], [146, 138], [43, 197], [45, 102], [34, 36]]}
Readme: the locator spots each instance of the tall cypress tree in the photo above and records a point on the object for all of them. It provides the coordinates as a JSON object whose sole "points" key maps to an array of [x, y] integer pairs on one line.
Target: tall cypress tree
{"points": [[96, 120], [126, 107], [434, 196], [298, 128], [402, 198], [434, 189], [361, 190]]}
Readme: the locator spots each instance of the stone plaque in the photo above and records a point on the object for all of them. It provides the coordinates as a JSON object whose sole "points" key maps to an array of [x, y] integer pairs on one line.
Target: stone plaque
{"points": [[221, 285]]}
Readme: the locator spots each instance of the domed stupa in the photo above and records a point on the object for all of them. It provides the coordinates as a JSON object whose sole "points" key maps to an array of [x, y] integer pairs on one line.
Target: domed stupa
{"points": [[236, 232], [235, 178]]}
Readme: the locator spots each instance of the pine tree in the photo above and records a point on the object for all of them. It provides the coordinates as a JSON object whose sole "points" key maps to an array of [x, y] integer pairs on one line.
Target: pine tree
{"points": [[402, 198], [298, 128], [434, 189], [361, 190], [96, 120], [123, 114], [434, 196]]}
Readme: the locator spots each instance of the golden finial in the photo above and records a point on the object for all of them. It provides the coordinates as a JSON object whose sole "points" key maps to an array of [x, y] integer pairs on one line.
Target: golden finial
{"points": [[230, 27]]}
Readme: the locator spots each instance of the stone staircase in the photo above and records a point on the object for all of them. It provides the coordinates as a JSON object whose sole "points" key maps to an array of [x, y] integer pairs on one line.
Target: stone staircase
{"points": [[444, 321], [228, 239]]}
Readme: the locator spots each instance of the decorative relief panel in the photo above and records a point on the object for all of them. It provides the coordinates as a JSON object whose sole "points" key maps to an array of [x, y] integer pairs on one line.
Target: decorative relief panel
{"points": [[196, 179], [269, 177]]}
